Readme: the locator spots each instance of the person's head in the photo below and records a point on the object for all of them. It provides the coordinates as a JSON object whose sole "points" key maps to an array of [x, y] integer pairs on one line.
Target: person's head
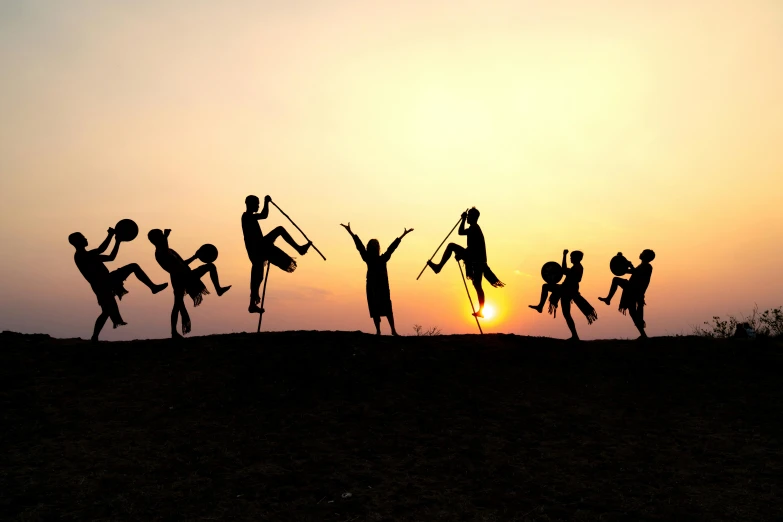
{"points": [[78, 240], [647, 255], [252, 203], [473, 215], [156, 236], [374, 248], [576, 256]]}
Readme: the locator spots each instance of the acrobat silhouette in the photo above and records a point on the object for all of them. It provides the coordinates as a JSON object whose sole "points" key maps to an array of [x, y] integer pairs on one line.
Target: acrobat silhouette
{"points": [[261, 248], [474, 257], [184, 280], [634, 288], [108, 285], [566, 292], [378, 293]]}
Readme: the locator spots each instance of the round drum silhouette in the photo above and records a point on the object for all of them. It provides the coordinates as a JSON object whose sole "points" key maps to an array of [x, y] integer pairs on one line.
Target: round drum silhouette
{"points": [[207, 253], [552, 272], [619, 265], [126, 230]]}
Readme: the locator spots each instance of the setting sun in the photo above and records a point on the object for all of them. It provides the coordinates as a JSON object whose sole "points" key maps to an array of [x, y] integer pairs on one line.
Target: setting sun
{"points": [[489, 311]]}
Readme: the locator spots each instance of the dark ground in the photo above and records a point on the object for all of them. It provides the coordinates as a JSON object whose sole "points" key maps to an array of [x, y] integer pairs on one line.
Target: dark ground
{"points": [[279, 426]]}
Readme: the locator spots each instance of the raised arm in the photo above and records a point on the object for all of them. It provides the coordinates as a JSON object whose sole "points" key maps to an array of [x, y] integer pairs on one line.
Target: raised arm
{"points": [[356, 241], [103, 246], [389, 251], [264, 211], [565, 266], [462, 230], [113, 254]]}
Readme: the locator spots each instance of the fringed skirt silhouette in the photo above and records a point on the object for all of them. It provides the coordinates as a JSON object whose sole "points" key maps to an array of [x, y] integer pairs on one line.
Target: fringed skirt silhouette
{"points": [[267, 252], [572, 295], [631, 299], [475, 270]]}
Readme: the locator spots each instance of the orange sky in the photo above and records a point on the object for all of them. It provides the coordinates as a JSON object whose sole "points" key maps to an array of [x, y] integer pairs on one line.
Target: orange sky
{"points": [[601, 126]]}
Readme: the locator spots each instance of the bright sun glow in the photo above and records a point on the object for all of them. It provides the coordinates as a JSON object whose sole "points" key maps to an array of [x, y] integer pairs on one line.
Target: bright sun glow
{"points": [[489, 311]]}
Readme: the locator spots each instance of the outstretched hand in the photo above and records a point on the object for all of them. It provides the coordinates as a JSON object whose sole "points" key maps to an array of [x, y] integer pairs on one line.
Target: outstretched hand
{"points": [[405, 232], [347, 227]]}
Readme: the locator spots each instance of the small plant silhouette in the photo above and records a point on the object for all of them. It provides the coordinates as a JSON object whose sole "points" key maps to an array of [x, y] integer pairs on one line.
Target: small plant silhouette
{"points": [[421, 332], [768, 323]]}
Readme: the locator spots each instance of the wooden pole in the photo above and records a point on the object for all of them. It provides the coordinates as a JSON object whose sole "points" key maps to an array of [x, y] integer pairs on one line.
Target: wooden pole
{"points": [[297, 227], [441, 244], [469, 298], [263, 296]]}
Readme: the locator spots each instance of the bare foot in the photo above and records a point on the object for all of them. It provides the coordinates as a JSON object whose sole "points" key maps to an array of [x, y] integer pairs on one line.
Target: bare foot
{"points": [[435, 268], [121, 323], [255, 309], [478, 314], [160, 287], [378, 332], [395, 334], [537, 308], [94, 339], [221, 291], [304, 248], [573, 338], [176, 336], [605, 300]]}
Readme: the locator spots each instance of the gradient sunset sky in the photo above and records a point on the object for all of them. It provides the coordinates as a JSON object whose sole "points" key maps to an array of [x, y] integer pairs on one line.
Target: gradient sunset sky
{"points": [[600, 126]]}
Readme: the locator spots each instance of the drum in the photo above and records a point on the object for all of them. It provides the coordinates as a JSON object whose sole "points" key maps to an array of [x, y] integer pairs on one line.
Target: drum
{"points": [[619, 265], [552, 272], [207, 253], [126, 230]]}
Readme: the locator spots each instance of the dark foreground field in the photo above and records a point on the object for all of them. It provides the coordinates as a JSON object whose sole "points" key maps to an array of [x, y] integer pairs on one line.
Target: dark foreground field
{"points": [[282, 426]]}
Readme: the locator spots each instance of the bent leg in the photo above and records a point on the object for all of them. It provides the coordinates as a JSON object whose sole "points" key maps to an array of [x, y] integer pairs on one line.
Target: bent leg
{"points": [[545, 289], [281, 232], [124, 272], [451, 248], [213, 275], [616, 282]]}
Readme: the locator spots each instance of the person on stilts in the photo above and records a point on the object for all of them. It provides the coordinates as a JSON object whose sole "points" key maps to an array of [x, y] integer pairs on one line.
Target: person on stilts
{"points": [[378, 294], [566, 292], [184, 280], [474, 257], [107, 285], [261, 248]]}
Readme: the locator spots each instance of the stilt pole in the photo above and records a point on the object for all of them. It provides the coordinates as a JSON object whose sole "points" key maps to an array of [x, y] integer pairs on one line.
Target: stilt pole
{"points": [[263, 296], [469, 298]]}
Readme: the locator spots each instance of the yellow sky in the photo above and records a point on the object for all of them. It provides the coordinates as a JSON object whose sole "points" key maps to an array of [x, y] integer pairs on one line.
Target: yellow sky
{"points": [[601, 126]]}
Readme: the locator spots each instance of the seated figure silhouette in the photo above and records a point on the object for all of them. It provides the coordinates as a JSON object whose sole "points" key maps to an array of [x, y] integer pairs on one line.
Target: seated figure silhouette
{"points": [[106, 285], [634, 288], [566, 292], [261, 248], [184, 280], [474, 257], [378, 294]]}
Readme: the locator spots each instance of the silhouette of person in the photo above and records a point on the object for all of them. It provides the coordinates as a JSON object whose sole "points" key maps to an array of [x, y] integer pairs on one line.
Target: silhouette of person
{"points": [[261, 248], [566, 292], [634, 288], [184, 280], [378, 294], [474, 257], [106, 285]]}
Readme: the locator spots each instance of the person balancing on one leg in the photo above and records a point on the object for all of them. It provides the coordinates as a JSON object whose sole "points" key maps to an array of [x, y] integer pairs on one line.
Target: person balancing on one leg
{"points": [[183, 279], [261, 248], [566, 293], [378, 295], [474, 257], [634, 288], [107, 285]]}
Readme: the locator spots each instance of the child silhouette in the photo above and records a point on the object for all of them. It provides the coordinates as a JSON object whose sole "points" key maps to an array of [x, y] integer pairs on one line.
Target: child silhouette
{"points": [[474, 257], [106, 285], [378, 294], [183, 279], [634, 288], [261, 248], [566, 292]]}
